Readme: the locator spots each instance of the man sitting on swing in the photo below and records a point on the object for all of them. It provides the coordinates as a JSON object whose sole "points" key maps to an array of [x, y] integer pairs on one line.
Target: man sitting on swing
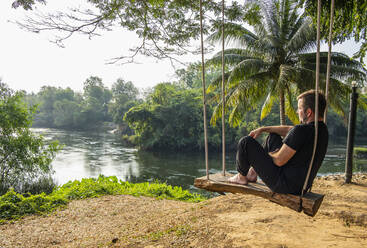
{"points": [[282, 164]]}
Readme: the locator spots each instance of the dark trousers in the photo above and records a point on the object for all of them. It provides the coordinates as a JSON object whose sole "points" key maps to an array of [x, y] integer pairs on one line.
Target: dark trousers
{"points": [[251, 153]]}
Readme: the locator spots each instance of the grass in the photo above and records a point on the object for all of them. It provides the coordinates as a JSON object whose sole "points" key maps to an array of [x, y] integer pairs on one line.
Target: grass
{"points": [[360, 152], [14, 205], [176, 230]]}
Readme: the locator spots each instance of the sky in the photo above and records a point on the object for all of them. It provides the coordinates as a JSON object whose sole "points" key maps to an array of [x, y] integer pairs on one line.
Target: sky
{"points": [[29, 61]]}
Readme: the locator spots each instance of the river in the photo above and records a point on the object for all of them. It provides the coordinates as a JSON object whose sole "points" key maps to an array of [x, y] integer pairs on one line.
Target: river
{"points": [[91, 154]]}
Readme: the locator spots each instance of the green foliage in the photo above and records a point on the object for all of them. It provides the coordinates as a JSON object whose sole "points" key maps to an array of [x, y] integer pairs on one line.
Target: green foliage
{"points": [[191, 76], [172, 119], [24, 156], [56, 107], [93, 187], [66, 113], [124, 97], [14, 205], [95, 101]]}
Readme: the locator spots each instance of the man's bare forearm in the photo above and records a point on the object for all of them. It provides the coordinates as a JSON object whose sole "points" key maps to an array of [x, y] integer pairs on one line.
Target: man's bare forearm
{"points": [[280, 130]]}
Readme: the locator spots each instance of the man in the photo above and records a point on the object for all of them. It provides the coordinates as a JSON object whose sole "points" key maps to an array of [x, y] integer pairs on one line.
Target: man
{"points": [[282, 164]]}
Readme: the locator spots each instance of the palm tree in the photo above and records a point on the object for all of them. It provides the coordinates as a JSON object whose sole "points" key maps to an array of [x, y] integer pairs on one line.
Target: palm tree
{"points": [[273, 63]]}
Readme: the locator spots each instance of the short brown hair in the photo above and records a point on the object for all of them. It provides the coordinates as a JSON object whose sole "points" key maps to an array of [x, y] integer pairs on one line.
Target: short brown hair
{"points": [[309, 101]]}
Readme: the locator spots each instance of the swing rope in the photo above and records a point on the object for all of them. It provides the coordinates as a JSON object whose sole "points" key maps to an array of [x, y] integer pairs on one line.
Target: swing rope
{"points": [[204, 90], [316, 105], [223, 100], [329, 58]]}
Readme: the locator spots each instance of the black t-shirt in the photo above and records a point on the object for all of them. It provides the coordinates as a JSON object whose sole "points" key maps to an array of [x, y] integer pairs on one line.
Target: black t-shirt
{"points": [[301, 139]]}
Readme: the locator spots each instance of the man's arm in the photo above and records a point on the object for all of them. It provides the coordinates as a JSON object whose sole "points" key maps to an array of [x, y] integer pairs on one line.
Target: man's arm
{"points": [[283, 155], [280, 130]]}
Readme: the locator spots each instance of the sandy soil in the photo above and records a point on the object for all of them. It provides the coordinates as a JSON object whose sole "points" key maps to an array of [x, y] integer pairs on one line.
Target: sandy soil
{"points": [[225, 221]]}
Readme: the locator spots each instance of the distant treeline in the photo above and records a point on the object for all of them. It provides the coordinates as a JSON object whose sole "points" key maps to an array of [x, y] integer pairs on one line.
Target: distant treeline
{"points": [[67, 109], [168, 116]]}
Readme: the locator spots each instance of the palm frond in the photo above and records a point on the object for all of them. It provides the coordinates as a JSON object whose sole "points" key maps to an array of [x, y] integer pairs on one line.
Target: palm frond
{"points": [[235, 116], [268, 105], [246, 69], [338, 96], [304, 38], [233, 33], [289, 108], [340, 72], [217, 113], [296, 20], [270, 11], [362, 101], [342, 66], [337, 58], [216, 83], [285, 14], [231, 57]]}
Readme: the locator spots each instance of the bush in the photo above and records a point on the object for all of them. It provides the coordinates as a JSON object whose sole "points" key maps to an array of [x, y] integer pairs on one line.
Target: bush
{"points": [[13, 205]]}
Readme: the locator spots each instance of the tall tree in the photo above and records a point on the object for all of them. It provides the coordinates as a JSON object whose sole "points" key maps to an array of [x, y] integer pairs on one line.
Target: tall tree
{"points": [[96, 100], [47, 98], [124, 96], [270, 63]]}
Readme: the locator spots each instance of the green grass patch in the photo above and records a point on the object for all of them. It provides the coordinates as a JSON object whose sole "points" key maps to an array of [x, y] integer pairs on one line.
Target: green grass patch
{"points": [[360, 152], [14, 205], [176, 230]]}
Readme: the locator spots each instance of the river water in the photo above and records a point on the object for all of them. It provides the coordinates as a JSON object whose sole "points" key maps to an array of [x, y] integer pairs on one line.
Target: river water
{"points": [[91, 154]]}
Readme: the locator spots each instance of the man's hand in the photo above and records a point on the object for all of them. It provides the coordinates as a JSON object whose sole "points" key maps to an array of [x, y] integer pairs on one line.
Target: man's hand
{"points": [[255, 133]]}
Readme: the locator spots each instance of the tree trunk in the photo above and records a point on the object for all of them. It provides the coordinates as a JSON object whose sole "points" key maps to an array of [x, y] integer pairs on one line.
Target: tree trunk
{"points": [[281, 107]]}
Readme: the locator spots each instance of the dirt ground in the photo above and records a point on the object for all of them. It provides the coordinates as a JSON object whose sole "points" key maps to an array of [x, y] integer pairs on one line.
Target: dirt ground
{"points": [[224, 221]]}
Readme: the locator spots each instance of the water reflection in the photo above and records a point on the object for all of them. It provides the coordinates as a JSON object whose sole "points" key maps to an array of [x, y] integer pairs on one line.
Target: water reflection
{"points": [[91, 154]]}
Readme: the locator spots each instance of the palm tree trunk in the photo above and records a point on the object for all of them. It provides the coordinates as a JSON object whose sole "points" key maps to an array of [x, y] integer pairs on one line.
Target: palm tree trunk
{"points": [[282, 107]]}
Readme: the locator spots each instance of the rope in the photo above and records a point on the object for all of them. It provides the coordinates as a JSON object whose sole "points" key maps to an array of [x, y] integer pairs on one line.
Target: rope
{"points": [[316, 102], [329, 58], [204, 90], [223, 100]]}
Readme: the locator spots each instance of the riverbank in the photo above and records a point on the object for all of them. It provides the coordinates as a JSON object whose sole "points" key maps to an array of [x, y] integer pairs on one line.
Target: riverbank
{"points": [[224, 221]]}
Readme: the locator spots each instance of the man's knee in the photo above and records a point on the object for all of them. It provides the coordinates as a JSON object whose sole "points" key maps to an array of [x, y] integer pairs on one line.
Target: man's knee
{"points": [[244, 140]]}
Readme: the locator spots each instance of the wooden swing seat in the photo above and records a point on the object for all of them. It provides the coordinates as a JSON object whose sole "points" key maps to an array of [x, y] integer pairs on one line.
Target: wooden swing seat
{"points": [[219, 183]]}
